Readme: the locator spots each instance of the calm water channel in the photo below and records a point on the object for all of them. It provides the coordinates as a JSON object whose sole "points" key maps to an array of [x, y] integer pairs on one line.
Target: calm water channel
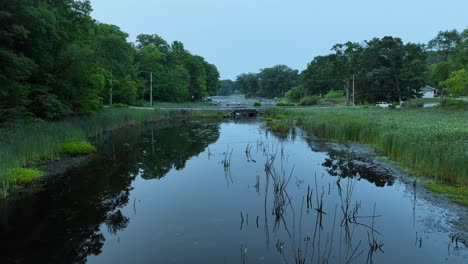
{"points": [[229, 193]]}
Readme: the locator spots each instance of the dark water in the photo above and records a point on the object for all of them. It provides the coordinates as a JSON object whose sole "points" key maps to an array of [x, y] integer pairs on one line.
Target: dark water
{"points": [[163, 194]]}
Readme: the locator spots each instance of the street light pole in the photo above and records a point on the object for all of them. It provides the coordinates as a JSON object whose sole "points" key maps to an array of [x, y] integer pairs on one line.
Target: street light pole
{"points": [[151, 89], [353, 89], [110, 95]]}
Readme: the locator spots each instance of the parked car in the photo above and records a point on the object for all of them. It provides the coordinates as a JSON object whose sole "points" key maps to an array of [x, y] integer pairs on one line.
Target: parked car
{"points": [[382, 104]]}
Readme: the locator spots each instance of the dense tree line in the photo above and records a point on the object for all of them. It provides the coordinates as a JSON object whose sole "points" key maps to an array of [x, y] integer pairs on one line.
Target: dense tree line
{"points": [[228, 87], [382, 69], [56, 60], [270, 82]]}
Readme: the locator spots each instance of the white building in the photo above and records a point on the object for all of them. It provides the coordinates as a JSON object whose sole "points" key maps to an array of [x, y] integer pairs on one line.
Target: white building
{"points": [[428, 92]]}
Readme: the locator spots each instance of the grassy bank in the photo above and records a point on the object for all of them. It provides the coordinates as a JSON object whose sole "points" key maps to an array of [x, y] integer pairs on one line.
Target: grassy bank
{"points": [[428, 142], [24, 144]]}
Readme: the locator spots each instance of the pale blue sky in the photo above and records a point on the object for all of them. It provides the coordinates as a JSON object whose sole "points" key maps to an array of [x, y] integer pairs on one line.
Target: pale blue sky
{"points": [[246, 35]]}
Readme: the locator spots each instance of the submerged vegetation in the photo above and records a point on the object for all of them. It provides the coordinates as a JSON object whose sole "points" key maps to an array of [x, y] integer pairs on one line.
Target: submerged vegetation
{"points": [[430, 143]]}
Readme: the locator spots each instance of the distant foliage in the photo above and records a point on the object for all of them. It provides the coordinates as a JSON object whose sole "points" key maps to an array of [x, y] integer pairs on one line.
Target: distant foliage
{"points": [[257, 104], [283, 103], [227, 87], [382, 69], [454, 104], [295, 93], [57, 61], [457, 83], [413, 104], [119, 105], [310, 100], [334, 94], [269, 82]]}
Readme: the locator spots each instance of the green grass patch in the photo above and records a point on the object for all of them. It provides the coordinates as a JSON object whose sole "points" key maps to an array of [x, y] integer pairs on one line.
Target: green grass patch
{"points": [[333, 101], [310, 100], [334, 95], [77, 147], [457, 194], [452, 104], [257, 104], [424, 100], [284, 103], [183, 105], [23, 176]]}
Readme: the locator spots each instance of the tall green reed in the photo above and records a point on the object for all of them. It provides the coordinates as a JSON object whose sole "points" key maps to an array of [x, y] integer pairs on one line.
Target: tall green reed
{"points": [[428, 142]]}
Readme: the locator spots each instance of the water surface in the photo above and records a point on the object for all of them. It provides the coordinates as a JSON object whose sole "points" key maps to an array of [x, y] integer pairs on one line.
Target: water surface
{"points": [[229, 193]]}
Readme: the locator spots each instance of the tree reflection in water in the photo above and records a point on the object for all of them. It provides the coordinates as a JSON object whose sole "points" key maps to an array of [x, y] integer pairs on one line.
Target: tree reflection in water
{"points": [[345, 164], [61, 222]]}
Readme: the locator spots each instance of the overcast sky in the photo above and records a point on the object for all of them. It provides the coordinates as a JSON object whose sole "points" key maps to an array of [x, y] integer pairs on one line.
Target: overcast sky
{"points": [[247, 35]]}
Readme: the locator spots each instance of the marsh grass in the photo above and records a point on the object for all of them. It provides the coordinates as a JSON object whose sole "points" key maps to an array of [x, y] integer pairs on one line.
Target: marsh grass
{"points": [[77, 147], [457, 194], [428, 142], [23, 176], [27, 143], [280, 125]]}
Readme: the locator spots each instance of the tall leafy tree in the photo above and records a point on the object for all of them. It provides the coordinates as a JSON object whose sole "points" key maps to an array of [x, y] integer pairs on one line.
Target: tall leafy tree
{"points": [[277, 80], [248, 83]]}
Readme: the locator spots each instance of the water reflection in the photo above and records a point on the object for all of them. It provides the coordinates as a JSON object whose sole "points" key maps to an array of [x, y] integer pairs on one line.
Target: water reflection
{"points": [[282, 203], [61, 223], [342, 161], [344, 164]]}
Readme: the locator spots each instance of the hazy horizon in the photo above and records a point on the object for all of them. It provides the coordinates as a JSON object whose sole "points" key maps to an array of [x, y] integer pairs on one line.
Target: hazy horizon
{"points": [[244, 36]]}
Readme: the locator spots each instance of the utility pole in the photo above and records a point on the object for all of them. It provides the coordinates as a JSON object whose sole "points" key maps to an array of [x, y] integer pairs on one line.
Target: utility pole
{"points": [[353, 89], [110, 95], [151, 89]]}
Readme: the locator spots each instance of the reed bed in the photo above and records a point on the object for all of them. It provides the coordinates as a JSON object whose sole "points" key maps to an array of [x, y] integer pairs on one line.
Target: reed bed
{"points": [[24, 144], [428, 142]]}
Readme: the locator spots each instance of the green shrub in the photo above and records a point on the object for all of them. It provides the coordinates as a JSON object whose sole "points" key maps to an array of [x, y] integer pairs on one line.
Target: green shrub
{"points": [[76, 148], [295, 93], [454, 104], [283, 103], [22, 176], [119, 105], [334, 94], [412, 104], [310, 100], [257, 104]]}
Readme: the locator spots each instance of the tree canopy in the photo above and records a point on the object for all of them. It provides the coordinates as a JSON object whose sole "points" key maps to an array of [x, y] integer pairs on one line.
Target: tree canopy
{"points": [[383, 69], [56, 60]]}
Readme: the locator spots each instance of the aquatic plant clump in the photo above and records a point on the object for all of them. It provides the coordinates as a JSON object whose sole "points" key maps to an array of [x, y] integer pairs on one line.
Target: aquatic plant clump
{"points": [[22, 176], [76, 148]]}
